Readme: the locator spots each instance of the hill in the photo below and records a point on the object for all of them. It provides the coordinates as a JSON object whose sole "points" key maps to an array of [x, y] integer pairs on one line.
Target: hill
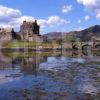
{"points": [[54, 35], [83, 35]]}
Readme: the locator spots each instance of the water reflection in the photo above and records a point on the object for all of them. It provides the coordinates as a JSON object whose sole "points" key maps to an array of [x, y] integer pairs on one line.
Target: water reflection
{"points": [[52, 75]]}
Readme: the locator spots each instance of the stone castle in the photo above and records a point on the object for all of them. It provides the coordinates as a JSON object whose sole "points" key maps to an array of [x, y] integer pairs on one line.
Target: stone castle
{"points": [[29, 31]]}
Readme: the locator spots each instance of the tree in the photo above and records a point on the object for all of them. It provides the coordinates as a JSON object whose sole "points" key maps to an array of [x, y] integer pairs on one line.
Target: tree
{"points": [[78, 41], [69, 38]]}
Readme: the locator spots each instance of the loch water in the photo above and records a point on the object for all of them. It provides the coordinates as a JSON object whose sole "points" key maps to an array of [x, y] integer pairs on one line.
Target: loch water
{"points": [[55, 75]]}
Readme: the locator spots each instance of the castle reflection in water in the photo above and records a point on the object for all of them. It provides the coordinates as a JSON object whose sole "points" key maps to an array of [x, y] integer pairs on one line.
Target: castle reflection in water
{"points": [[30, 64]]}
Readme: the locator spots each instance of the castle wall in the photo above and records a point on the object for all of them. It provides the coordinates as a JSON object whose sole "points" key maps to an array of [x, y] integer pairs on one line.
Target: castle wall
{"points": [[29, 31], [30, 28], [5, 37]]}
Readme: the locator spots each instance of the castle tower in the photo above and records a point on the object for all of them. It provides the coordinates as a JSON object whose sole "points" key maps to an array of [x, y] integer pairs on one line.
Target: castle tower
{"points": [[36, 28], [30, 31], [30, 28]]}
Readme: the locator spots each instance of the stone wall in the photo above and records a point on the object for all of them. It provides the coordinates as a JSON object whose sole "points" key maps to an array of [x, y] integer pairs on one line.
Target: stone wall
{"points": [[5, 37], [29, 31], [30, 28]]}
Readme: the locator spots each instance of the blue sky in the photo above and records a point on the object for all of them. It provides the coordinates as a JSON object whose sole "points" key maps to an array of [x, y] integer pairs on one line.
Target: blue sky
{"points": [[52, 15]]}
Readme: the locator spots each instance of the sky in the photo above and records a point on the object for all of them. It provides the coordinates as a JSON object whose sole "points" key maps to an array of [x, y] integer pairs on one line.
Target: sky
{"points": [[51, 15]]}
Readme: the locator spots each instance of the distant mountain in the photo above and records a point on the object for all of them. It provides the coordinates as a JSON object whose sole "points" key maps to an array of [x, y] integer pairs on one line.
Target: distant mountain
{"points": [[84, 35], [87, 34], [54, 35]]}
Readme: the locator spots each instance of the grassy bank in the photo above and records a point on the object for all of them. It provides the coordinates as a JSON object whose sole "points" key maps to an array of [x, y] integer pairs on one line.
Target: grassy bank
{"points": [[21, 44], [30, 54]]}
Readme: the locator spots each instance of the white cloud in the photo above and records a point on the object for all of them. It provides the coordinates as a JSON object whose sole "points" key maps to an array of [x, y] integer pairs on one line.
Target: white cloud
{"points": [[56, 20], [66, 8], [42, 22], [98, 16], [51, 21], [10, 17], [87, 18], [25, 18], [90, 3], [8, 14], [16, 22], [93, 5], [79, 21], [79, 29]]}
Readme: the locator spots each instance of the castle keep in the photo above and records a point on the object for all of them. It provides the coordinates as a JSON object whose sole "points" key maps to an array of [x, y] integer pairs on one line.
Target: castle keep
{"points": [[30, 31], [30, 27]]}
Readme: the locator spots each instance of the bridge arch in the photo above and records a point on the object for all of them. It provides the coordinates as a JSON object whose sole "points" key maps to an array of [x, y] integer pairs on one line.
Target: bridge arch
{"points": [[75, 46], [86, 47], [97, 46]]}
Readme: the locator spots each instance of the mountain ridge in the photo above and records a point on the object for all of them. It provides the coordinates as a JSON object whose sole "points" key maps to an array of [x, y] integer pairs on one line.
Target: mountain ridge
{"points": [[84, 35]]}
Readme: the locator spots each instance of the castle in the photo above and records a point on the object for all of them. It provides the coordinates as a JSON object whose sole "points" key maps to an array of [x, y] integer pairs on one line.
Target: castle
{"points": [[29, 31]]}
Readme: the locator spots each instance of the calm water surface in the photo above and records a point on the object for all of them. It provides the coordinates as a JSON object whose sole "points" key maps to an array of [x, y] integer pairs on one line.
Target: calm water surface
{"points": [[49, 76]]}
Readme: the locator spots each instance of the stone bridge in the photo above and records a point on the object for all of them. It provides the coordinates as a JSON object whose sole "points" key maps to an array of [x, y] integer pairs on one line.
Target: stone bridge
{"points": [[86, 45]]}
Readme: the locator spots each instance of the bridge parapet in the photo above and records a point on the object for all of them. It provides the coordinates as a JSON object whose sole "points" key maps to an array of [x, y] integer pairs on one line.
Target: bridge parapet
{"points": [[91, 44], [87, 43]]}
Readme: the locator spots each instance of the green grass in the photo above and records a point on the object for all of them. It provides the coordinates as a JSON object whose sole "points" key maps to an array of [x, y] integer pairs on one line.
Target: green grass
{"points": [[21, 44], [13, 44], [30, 54]]}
